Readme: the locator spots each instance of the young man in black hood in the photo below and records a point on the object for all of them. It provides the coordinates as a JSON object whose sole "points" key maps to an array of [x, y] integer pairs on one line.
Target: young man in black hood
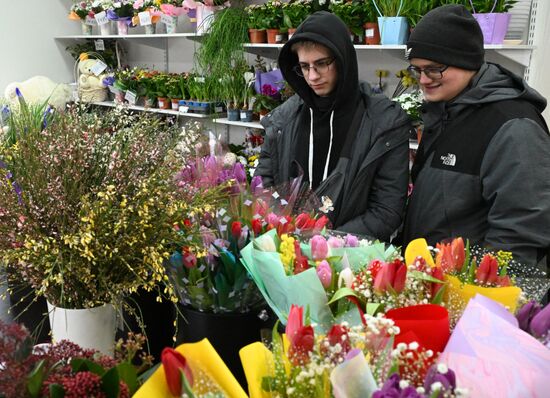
{"points": [[351, 145], [482, 169]]}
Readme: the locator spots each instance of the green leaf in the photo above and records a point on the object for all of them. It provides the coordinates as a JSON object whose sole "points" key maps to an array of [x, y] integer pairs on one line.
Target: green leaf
{"points": [[110, 383], [36, 378], [185, 385], [424, 277], [83, 365], [373, 308], [56, 391], [341, 293], [128, 374], [438, 299], [142, 378], [466, 257]]}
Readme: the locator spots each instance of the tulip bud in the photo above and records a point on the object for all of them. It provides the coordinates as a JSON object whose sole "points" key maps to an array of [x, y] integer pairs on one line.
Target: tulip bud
{"points": [[345, 277], [320, 224], [174, 364], [540, 324], [324, 272], [526, 313], [301, 345], [294, 321], [486, 273], [351, 240], [188, 258], [256, 226], [319, 248], [236, 229], [304, 222], [335, 242]]}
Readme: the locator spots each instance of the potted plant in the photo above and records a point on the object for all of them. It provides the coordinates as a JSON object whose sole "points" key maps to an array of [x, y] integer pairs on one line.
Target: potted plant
{"points": [[246, 110], [493, 18], [351, 14], [294, 13], [122, 12], [161, 87], [90, 212], [391, 22], [149, 22], [174, 91], [263, 104], [273, 18], [370, 23], [82, 11], [256, 23]]}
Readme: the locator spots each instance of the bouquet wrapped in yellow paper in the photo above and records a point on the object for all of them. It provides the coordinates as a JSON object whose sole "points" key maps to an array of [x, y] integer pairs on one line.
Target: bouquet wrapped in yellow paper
{"points": [[206, 375]]}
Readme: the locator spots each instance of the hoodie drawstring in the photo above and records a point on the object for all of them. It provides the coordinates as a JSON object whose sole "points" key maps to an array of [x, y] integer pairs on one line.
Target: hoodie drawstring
{"points": [[310, 160]]}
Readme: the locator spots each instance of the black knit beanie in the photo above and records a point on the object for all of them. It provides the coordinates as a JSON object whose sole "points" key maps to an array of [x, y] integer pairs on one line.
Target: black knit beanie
{"points": [[449, 35]]}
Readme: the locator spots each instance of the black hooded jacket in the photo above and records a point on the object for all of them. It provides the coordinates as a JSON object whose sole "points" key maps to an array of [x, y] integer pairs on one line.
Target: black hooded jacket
{"points": [[368, 169]]}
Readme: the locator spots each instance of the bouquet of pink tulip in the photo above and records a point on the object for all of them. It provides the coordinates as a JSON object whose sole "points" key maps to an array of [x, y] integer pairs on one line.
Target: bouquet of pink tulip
{"points": [[336, 277]]}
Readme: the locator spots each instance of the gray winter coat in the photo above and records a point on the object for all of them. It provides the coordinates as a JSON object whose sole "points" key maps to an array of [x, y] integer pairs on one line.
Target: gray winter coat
{"points": [[372, 185], [507, 205]]}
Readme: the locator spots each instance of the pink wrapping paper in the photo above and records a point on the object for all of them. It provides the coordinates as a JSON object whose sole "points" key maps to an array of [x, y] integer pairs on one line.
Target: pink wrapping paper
{"points": [[492, 357]]}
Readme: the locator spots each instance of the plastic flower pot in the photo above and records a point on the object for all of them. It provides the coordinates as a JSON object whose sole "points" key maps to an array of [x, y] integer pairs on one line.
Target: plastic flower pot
{"points": [[175, 103], [257, 35], [163, 103], [86, 29], [233, 115], [372, 33], [228, 333], [493, 26]]}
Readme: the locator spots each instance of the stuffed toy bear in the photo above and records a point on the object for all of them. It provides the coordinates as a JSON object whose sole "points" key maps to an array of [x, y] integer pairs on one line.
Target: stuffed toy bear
{"points": [[37, 90], [88, 81]]}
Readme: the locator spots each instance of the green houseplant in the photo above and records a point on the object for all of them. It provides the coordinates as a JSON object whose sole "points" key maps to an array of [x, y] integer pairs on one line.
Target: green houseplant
{"points": [[490, 6], [295, 12], [351, 13]]}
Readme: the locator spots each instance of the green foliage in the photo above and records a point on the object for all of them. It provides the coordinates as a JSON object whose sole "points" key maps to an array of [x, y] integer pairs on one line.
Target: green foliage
{"points": [[295, 12], [109, 54], [351, 13], [222, 48], [486, 6], [393, 8]]}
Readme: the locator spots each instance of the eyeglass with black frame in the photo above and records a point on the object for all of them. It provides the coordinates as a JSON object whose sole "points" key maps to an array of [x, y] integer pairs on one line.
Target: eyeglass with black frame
{"points": [[321, 67], [431, 72]]}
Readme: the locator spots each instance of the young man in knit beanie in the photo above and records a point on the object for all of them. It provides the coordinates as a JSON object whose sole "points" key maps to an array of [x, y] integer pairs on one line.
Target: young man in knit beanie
{"points": [[482, 169]]}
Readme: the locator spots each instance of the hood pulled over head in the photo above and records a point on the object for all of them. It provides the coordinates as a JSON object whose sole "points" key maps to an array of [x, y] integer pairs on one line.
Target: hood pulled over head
{"points": [[327, 29]]}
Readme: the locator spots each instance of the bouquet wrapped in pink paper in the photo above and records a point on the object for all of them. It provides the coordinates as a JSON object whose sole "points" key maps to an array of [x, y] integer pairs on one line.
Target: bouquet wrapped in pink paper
{"points": [[492, 356]]}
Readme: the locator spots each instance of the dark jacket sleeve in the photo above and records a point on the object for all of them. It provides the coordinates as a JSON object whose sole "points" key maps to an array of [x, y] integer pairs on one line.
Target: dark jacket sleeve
{"points": [[515, 179], [388, 193], [267, 164]]}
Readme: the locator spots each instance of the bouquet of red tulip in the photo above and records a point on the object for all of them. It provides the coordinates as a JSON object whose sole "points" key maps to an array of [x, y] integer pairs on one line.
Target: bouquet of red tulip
{"points": [[347, 361]]}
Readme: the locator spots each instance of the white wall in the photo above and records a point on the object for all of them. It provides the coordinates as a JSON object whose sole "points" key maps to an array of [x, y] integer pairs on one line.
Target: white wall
{"points": [[539, 76], [27, 29]]}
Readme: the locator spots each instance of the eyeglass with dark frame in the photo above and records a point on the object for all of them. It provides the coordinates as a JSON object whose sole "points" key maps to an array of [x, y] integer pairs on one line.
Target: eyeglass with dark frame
{"points": [[321, 67], [431, 72]]}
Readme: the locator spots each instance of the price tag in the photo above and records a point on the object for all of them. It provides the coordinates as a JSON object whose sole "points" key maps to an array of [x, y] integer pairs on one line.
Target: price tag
{"points": [[167, 19], [98, 68], [184, 109], [90, 21], [278, 38], [131, 97], [113, 90], [99, 45], [243, 115], [144, 18], [369, 33], [218, 109], [101, 18]]}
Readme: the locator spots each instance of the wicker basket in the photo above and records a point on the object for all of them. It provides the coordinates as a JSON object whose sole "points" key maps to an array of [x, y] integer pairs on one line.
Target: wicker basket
{"points": [[92, 94]]}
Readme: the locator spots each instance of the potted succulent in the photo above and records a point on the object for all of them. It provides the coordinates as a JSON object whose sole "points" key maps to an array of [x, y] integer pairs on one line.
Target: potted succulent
{"points": [[493, 18]]}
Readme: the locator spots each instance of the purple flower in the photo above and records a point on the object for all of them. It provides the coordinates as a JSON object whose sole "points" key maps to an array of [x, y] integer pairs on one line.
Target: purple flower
{"points": [[410, 392], [239, 172], [18, 92], [540, 324], [108, 81], [390, 389], [440, 373], [351, 240], [256, 185], [526, 313]]}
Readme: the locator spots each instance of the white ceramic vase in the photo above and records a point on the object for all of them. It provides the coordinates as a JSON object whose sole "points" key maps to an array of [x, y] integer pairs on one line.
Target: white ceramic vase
{"points": [[89, 328]]}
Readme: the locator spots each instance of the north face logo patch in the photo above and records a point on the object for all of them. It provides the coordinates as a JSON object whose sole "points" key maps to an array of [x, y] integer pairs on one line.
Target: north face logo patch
{"points": [[449, 159]]}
